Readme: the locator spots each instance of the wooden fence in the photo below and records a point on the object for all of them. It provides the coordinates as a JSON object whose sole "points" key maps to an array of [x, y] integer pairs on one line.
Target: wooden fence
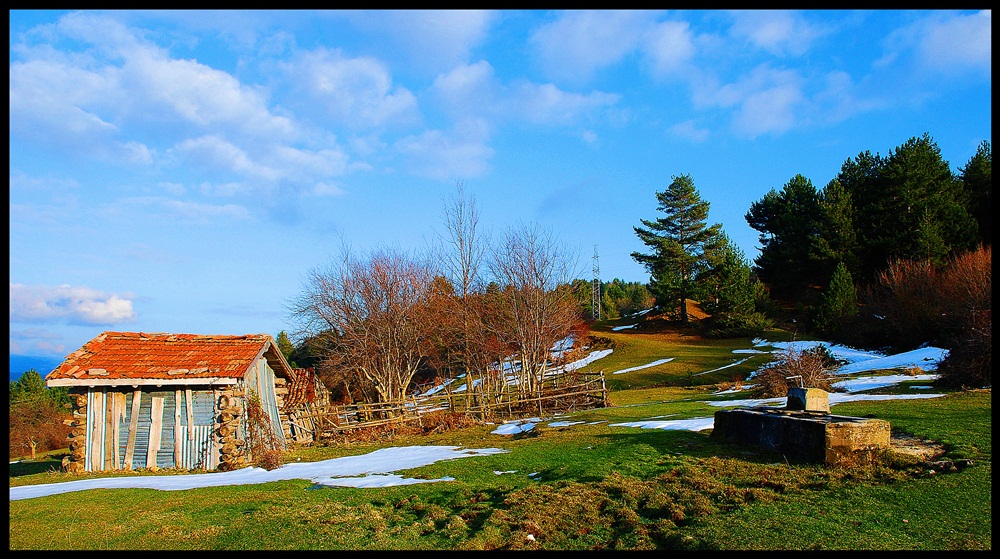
{"points": [[318, 421]]}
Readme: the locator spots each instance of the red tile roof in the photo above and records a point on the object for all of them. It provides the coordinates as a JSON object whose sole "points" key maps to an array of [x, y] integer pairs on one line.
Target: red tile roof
{"points": [[138, 355]]}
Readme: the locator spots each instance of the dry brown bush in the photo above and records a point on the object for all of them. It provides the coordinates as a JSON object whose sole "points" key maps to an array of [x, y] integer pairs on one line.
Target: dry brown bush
{"points": [[811, 365], [36, 425]]}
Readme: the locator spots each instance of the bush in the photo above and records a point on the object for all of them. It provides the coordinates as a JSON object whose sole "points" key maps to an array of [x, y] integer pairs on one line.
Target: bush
{"points": [[969, 363], [904, 300], [37, 414], [811, 365], [739, 326]]}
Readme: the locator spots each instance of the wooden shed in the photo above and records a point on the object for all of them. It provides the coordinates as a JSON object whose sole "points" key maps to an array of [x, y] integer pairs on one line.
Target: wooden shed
{"points": [[156, 400]]}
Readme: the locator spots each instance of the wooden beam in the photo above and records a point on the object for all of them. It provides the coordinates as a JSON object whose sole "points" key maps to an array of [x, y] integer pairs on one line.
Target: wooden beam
{"points": [[190, 412], [177, 428], [97, 431], [109, 432], [155, 430], [133, 426]]}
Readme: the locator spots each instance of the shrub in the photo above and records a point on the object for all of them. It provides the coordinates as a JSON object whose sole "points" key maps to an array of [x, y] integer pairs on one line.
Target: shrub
{"points": [[810, 365], [738, 326], [37, 415], [969, 364], [904, 301], [265, 449]]}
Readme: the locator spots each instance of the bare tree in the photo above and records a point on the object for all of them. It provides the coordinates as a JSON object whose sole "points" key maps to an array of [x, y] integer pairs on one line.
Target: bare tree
{"points": [[374, 316], [533, 312], [462, 253]]}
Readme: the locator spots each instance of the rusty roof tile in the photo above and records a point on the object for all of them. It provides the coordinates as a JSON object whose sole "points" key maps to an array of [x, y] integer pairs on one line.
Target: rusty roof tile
{"points": [[145, 355]]}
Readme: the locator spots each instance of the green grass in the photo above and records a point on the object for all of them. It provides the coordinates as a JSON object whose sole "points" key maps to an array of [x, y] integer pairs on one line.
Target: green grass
{"points": [[596, 486]]}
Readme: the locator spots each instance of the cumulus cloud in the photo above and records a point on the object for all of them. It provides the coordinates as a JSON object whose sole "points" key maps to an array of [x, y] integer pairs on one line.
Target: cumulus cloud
{"points": [[468, 90], [579, 43], [943, 43], [670, 47], [547, 104], [66, 303], [356, 92], [127, 79], [778, 32], [473, 92], [962, 41], [430, 40], [766, 100], [460, 153]]}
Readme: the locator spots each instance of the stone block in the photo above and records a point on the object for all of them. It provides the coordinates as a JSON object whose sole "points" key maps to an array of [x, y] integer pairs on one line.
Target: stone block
{"points": [[808, 399]]}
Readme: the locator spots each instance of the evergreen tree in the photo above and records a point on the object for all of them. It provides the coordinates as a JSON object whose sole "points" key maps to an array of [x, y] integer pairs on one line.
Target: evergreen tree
{"points": [[977, 179], [285, 346], [906, 204], [732, 295], [681, 245], [790, 223], [731, 288], [838, 304], [838, 240]]}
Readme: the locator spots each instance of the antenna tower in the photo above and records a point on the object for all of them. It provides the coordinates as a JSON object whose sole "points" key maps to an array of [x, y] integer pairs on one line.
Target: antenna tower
{"points": [[595, 291]]}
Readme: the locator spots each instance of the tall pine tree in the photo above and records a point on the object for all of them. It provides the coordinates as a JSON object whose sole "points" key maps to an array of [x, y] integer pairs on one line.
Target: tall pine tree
{"points": [[977, 178], [907, 205], [790, 223], [681, 245]]}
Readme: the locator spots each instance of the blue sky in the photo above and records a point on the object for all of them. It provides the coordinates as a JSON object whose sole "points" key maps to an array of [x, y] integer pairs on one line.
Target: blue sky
{"points": [[181, 171]]}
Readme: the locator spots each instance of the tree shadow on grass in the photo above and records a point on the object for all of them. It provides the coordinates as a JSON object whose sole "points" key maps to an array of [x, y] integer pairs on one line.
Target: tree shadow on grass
{"points": [[37, 466]]}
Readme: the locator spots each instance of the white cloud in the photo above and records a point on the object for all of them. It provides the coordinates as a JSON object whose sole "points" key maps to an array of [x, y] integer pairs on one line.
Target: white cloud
{"points": [[959, 42], [191, 212], [766, 100], [356, 92], [469, 90], [579, 43], [547, 104], [36, 341], [118, 89], [459, 153], [214, 152], [325, 189], [65, 303], [472, 91], [689, 130], [778, 32], [943, 43], [670, 47], [430, 40], [270, 165]]}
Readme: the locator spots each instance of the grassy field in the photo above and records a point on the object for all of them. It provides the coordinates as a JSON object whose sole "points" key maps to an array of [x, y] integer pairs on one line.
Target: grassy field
{"points": [[594, 486]]}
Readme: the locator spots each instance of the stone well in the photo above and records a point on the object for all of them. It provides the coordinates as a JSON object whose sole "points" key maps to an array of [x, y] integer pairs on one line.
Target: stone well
{"points": [[805, 430]]}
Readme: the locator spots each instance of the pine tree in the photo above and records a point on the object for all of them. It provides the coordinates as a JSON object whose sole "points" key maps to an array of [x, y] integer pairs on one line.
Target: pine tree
{"points": [[838, 304], [977, 179], [681, 245], [732, 295], [285, 346], [906, 203], [790, 223]]}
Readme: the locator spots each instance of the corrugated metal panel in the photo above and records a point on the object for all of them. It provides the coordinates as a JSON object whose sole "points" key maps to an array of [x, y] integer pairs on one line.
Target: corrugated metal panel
{"points": [[197, 453]]}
